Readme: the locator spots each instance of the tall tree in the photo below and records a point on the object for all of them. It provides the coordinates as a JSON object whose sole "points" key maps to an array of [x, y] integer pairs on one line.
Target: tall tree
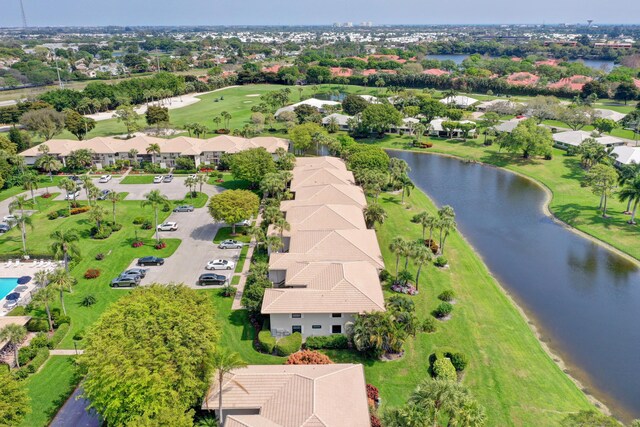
{"points": [[14, 400], [114, 198], [374, 214], [44, 295], [45, 122], [156, 200], [14, 334], [77, 124], [630, 192], [528, 138], [30, 183], [398, 246], [233, 206], [602, 179], [252, 165], [446, 223], [61, 281], [129, 117], [70, 187], [421, 255], [64, 244], [225, 361], [154, 150], [19, 203]]}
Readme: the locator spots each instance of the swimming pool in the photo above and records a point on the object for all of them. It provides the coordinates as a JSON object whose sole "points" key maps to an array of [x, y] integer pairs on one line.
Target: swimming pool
{"points": [[7, 284]]}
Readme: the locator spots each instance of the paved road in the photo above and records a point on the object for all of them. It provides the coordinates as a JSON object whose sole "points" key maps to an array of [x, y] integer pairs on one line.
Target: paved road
{"points": [[196, 230], [73, 413]]}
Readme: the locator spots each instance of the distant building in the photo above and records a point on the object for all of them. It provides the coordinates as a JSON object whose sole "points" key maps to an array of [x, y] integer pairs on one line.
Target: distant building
{"points": [[574, 138]]}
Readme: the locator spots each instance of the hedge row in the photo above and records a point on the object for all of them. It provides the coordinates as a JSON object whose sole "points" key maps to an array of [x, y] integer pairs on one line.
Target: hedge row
{"points": [[336, 341], [289, 344], [59, 334], [267, 341]]}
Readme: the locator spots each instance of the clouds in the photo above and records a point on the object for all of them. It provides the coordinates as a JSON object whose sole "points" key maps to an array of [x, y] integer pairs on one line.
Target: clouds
{"points": [[304, 12]]}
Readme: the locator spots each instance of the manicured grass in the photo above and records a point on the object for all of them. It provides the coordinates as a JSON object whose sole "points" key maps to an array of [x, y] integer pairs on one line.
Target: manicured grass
{"points": [[224, 233], [571, 203], [197, 202], [138, 179], [229, 182], [43, 182], [237, 332], [49, 389], [235, 280], [509, 372], [241, 259]]}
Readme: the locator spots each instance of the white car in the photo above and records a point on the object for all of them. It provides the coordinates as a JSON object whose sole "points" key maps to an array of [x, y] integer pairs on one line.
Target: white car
{"points": [[168, 226], [193, 176], [10, 219], [72, 196], [243, 223], [158, 179], [220, 264], [105, 178]]}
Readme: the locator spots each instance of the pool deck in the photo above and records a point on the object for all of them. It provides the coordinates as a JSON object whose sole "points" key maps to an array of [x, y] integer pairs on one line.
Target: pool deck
{"points": [[23, 268]]}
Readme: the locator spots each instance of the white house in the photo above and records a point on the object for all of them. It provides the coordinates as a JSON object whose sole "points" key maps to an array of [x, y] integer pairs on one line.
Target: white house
{"points": [[459, 101], [436, 129], [574, 138], [342, 120], [317, 103], [626, 155], [609, 114]]}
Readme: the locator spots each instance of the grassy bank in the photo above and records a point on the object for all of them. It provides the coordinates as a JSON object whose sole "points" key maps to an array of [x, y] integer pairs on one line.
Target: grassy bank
{"points": [[571, 203]]}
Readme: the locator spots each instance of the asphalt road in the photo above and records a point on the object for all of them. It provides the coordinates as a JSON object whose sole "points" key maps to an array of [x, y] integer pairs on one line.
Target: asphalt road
{"points": [[73, 413]]}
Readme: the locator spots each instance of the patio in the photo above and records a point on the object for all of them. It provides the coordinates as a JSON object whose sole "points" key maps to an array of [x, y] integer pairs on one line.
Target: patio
{"points": [[22, 269]]}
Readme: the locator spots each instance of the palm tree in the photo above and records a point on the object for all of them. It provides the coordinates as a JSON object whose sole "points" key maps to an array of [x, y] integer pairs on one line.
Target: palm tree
{"points": [[281, 225], [216, 121], [628, 173], [94, 193], [374, 213], [258, 234], [61, 281], [133, 153], [30, 182], [48, 163], [97, 214], [446, 223], [155, 199], [14, 334], [64, 243], [86, 183], [45, 296], [397, 247], [201, 179], [631, 192], [226, 117], [19, 203], [70, 187], [437, 396], [274, 243], [153, 149], [469, 413], [421, 255], [190, 183], [225, 361], [407, 185], [114, 198], [272, 185]]}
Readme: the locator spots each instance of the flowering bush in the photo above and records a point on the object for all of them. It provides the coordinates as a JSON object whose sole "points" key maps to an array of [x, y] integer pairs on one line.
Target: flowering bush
{"points": [[92, 273], [137, 244], [308, 357], [46, 195], [82, 209], [404, 289], [160, 245], [373, 392]]}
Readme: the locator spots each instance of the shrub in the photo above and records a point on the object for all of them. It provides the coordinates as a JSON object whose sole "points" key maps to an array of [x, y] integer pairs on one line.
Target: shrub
{"points": [[335, 341], [101, 233], [384, 275], [146, 225], [59, 334], [92, 273], [443, 310], [160, 245], [228, 291], [42, 355], [53, 215], [62, 319], [433, 245], [25, 354], [37, 325], [440, 261], [115, 227], [459, 361], [138, 220], [308, 357], [267, 342], [429, 325], [137, 244], [375, 421], [447, 295], [46, 195], [100, 256], [62, 212], [40, 340], [289, 344], [372, 392], [88, 301], [443, 368], [79, 210]]}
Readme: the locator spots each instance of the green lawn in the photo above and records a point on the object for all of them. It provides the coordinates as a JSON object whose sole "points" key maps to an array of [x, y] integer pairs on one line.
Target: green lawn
{"points": [[229, 182], [198, 201], [138, 179], [44, 181], [224, 233], [49, 389], [509, 372], [241, 259], [562, 175]]}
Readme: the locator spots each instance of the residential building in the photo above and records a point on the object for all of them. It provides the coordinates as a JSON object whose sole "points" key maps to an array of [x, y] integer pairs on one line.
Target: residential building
{"points": [[342, 120], [626, 155], [292, 396], [317, 103], [436, 129], [574, 138], [342, 194], [609, 114], [459, 101]]}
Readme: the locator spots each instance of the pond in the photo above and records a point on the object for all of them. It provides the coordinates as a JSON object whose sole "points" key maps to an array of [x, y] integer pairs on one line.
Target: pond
{"points": [[597, 64], [584, 298]]}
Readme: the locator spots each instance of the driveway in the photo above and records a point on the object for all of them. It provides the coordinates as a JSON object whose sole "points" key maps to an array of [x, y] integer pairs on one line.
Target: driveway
{"points": [[174, 190], [196, 230]]}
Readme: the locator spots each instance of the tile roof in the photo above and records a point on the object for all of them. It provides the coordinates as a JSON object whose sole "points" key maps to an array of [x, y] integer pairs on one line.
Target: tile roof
{"points": [[522, 79], [577, 137], [317, 103], [294, 396], [320, 162], [460, 100], [342, 194], [322, 217], [436, 72], [574, 83], [312, 177], [341, 72]]}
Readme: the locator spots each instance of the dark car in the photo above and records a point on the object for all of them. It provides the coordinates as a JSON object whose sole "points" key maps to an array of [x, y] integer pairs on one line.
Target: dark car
{"points": [[104, 194], [211, 279], [4, 228], [124, 282], [136, 271], [151, 260]]}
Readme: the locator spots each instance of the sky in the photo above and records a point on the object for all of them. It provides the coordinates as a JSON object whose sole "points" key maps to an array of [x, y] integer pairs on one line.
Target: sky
{"points": [[305, 12]]}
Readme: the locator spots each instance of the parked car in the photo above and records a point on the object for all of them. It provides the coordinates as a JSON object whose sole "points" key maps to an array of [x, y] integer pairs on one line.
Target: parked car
{"points": [[135, 277], [104, 194], [243, 223], [230, 244], [150, 260], [121, 282], [105, 178], [157, 179], [9, 219], [193, 176], [4, 228], [211, 279], [184, 208], [168, 178], [139, 271], [220, 264], [72, 196], [168, 226]]}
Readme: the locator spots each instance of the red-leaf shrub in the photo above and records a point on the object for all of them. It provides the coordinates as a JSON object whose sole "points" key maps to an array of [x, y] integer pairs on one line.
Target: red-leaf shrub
{"points": [[137, 244], [375, 421], [308, 357], [92, 273], [46, 195], [82, 209], [160, 245], [373, 392]]}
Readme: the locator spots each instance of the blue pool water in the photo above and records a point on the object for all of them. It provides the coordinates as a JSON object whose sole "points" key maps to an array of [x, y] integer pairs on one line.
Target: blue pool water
{"points": [[7, 284]]}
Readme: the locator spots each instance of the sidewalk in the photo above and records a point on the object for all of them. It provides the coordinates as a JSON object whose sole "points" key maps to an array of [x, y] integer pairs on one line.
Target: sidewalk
{"points": [[237, 304], [65, 352]]}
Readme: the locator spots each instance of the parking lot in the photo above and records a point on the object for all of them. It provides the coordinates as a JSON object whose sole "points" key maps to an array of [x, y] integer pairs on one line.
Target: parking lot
{"points": [[174, 190], [196, 230]]}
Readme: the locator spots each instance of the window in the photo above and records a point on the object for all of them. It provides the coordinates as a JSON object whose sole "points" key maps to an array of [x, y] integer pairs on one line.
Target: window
{"points": [[296, 328], [336, 314], [316, 327], [296, 315], [336, 329]]}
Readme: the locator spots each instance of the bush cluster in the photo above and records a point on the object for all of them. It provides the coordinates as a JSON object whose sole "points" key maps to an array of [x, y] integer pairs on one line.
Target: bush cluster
{"points": [[92, 273], [458, 359], [447, 295], [443, 368], [138, 220], [440, 261], [335, 341], [100, 256], [289, 344], [38, 325], [160, 245], [146, 224], [308, 357], [59, 334], [267, 341], [372, 392], [137, 244], [443, 309], [79, 210], [429, 325], [53, 215]]}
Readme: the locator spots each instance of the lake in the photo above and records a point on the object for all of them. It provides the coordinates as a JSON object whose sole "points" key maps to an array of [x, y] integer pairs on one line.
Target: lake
{"points": [[596, 64], [584, 298]]}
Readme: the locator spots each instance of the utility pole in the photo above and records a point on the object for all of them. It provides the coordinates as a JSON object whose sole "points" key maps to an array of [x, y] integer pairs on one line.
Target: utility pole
{"points": [[24, 16]]}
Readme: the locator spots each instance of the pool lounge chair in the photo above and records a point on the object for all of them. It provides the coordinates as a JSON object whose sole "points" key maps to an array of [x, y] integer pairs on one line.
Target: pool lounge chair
{"points": [[8, 263]]}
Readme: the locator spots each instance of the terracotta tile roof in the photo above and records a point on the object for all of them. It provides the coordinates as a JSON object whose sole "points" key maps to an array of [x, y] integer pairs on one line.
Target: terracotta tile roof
{"points": [[320, 162], [341, 194], [341, 72], [436, 72], [272, 69], [574, 83], [549, 62], [294, 396], [637, 83], [310, 177], [321, 217], [522, 79]]}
